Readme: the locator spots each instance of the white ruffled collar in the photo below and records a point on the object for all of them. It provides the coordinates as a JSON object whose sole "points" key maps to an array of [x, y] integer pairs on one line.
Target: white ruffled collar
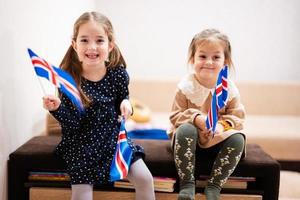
{"points": [[193, 90], [197, 93]]}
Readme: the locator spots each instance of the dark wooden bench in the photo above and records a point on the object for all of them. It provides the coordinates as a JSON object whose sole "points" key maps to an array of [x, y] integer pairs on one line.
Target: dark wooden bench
{"points": [[38, 155]]}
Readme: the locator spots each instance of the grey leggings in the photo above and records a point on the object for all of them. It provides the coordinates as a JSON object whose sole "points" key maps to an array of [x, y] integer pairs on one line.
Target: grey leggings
{"points": [[139, 175]]}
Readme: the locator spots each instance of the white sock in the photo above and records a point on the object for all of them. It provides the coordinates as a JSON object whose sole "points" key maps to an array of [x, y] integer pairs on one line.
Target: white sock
{"points": [[82, 192]]}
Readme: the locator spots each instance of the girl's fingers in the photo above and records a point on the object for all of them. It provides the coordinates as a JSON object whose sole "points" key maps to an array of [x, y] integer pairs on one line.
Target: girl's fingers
{"points": [[51, 102]]}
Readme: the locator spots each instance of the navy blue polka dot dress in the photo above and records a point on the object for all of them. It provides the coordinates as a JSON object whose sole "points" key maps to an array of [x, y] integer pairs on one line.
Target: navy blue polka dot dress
{"points": [[89, 140]]}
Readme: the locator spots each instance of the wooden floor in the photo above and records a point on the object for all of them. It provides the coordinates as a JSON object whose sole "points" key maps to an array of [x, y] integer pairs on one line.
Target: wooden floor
{"points": [[37, 193]]}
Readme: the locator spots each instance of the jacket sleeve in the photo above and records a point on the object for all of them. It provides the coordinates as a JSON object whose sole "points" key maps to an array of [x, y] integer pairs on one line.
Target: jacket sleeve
{"points": [[234, 112], [181, 111]]}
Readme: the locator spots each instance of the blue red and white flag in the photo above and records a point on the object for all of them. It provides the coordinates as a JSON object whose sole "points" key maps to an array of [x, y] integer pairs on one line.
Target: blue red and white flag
{"points": [[219, 99], [122, 158], [57, 77]]}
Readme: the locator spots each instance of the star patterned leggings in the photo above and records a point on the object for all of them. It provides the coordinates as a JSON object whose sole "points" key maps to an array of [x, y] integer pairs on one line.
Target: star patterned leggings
{"points": [[187, 152]]}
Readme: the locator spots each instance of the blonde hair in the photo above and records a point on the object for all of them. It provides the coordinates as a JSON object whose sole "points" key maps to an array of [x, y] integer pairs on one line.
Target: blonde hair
{"points": [[209, 36], [71, 63]]}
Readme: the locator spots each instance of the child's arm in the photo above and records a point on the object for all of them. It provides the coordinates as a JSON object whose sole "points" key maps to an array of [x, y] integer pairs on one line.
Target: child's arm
{"points": [[123, 104], [182, 112], [234, 113], [63, 110]]}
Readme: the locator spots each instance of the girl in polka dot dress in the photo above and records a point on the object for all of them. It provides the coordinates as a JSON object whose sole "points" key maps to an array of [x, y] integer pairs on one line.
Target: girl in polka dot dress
{"points": [[89, 139]]}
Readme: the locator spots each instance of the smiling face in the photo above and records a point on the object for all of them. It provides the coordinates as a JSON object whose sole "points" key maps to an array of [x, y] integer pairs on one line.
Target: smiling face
{"points": [[92, 45], [208, 60]]}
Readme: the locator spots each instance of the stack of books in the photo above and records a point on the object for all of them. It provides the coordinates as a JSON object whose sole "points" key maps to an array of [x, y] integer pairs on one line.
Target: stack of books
{"points": [[161, 184], [232, 182], [48, 176]]}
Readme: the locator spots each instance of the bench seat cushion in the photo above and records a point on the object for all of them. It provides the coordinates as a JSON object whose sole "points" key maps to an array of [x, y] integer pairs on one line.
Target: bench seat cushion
{"points": [[38, 154]]}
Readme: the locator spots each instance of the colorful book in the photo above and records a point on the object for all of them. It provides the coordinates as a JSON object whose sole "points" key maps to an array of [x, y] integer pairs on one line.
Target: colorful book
{"points": [[162, 184], [48, 176]]}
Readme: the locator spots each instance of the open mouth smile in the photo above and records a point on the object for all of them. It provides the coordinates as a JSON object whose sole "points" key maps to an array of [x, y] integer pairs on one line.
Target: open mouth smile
{"points": [[92, 56]]}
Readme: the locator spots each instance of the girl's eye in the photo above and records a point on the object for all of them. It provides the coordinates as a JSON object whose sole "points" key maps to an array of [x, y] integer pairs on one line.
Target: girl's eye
{"points": [[83, 40], [216, 57], [202, 56], [100, 40]]}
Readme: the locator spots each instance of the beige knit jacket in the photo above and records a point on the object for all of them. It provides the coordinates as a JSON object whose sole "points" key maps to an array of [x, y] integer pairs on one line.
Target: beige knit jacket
{"points": [[192, 99]]}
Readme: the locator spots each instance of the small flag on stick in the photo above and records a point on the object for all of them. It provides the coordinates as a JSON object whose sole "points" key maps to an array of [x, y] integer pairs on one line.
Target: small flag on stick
{"points": [[57, 77], [219, 99], [122, 158]]}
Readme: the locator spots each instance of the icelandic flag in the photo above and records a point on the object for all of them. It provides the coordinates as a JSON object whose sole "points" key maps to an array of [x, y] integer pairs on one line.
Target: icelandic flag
{"points": [[222, 87], [219, 99], [57, 77], [122, 158]]}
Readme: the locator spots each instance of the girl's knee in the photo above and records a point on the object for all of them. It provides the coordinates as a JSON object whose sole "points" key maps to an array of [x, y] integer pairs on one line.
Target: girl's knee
{"points": [[145, 179], [148, 179], [140, 175], [237, 140], [187, 130]]}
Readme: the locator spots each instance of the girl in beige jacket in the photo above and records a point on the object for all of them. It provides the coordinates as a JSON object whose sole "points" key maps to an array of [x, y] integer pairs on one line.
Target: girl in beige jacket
{"points": [[208, 52]]}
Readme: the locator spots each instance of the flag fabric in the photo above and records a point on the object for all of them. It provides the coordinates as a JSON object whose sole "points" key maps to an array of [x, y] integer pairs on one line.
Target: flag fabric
{"points": [[219, 99], [57, 77], [222, 88], [122, 157]]}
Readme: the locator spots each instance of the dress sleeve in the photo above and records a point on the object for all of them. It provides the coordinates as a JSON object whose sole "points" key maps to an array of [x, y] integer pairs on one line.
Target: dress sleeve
{"points": [[181, 112], [67, 114], [122, 82]]}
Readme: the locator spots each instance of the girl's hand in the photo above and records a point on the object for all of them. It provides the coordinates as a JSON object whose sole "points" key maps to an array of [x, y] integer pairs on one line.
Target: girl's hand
{"points": [[126, 108], [51, 102], [204, 134], [200, 122]]}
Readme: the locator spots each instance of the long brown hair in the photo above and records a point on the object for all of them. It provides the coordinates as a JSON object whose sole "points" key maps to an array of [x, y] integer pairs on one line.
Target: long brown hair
{"points": [[71, 63]]}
